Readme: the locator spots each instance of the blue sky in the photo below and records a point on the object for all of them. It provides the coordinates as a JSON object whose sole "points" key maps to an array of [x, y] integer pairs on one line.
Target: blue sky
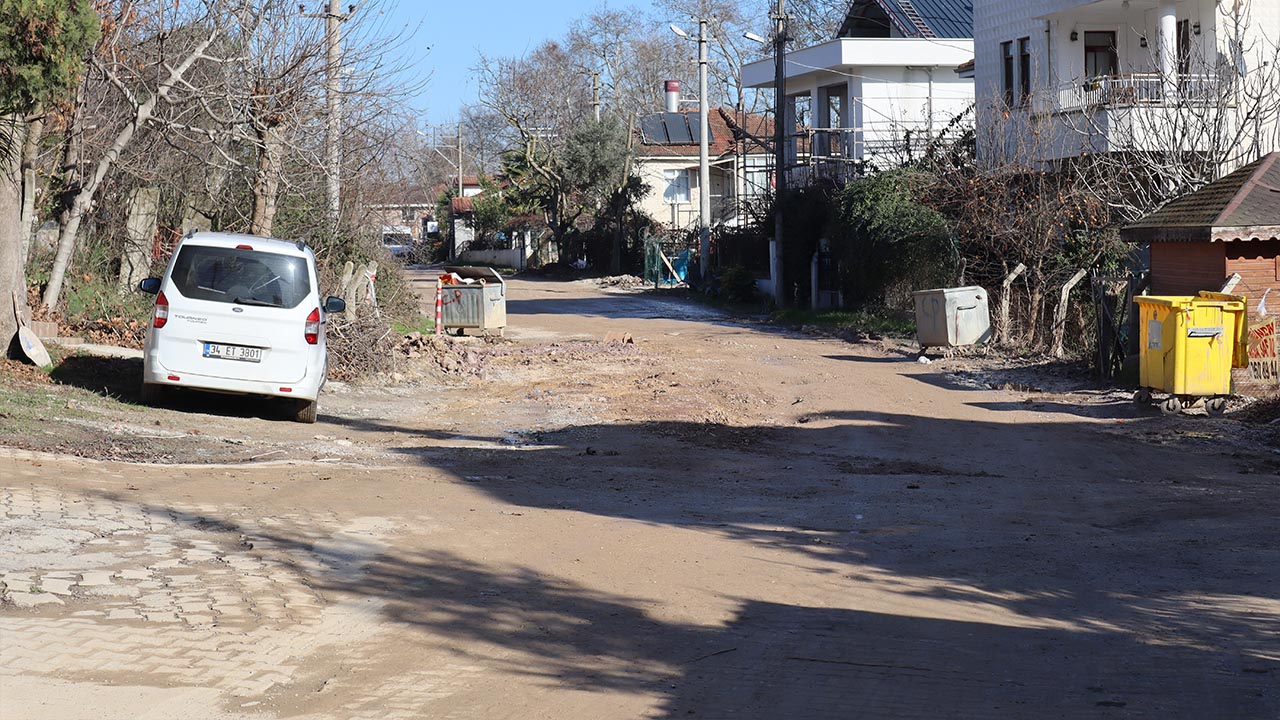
{"points": [[457, 32]]}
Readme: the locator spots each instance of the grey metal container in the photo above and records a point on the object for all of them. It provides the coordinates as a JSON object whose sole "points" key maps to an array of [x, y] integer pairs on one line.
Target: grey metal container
{"points": [[949, 317], [481, 305]]}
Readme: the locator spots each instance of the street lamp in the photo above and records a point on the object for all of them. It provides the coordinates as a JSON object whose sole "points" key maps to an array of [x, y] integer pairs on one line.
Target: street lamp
{"points": [[704, 163]]}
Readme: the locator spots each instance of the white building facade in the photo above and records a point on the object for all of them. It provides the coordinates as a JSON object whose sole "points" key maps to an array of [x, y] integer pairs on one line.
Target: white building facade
{"points": [[1056, 79], [879, 93]]}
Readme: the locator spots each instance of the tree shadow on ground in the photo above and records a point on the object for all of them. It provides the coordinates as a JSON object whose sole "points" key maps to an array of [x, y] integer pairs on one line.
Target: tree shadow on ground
{"points": [[1014, 570], [773, 660]]}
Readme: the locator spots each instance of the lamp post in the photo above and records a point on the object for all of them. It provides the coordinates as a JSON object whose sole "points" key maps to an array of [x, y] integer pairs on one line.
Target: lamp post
{"points": [[704, 160]]}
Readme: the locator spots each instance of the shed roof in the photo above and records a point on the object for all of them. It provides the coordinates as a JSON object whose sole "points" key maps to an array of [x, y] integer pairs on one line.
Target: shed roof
{"points": [[1244, 205]]}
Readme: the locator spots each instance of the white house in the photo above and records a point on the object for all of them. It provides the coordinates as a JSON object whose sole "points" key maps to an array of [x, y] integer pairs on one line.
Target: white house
{"points": [[879, 91], [1060, 78], [666, 160]]}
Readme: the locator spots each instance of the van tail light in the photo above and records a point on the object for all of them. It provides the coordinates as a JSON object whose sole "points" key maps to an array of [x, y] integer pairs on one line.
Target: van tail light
{"points": [[312, 330], [161, 315]]}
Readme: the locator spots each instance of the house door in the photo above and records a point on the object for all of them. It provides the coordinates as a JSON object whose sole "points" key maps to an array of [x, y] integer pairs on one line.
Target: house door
{"points": [[1100, 57]]}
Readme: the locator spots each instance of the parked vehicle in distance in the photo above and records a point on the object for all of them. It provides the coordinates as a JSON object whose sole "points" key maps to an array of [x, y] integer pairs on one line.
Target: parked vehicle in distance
{"points": [[398, 241], [238, 314]]}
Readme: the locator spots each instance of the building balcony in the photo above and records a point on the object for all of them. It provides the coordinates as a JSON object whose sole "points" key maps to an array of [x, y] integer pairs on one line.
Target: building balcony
{"points": [[1138, 89], [841, 154]]}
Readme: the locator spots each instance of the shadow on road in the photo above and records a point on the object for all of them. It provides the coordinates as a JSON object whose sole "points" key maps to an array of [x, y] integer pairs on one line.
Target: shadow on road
{"points": [[121, 379], [1028, 570]]}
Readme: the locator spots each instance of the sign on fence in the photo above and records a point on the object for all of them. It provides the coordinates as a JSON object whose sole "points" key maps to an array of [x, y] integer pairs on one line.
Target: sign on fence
{"points": [[1264, 363]]}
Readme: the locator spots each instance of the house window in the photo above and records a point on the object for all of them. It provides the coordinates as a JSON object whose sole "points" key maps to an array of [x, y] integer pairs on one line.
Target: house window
{"points": [[756, 181], [677, 190], [408, 214], [1024, 71], [1006, 55], [1100, 58]]}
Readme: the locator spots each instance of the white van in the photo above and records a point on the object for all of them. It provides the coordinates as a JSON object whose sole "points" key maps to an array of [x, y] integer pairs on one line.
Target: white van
{"points": [[238, 314]]}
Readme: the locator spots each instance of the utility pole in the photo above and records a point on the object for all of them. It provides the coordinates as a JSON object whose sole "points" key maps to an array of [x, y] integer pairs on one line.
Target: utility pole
{"points": [[704, 170], [779, 18], [333, 19], [595, 94], [459, 158]]}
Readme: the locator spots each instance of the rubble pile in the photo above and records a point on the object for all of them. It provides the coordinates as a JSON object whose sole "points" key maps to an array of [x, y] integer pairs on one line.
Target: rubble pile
{"points": [[451, 357], [473, 356], [625, 282]]}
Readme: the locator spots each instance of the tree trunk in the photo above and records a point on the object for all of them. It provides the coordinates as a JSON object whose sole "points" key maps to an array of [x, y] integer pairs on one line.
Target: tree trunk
{"points": [[13, 283], [266, 182], [30, 153]]}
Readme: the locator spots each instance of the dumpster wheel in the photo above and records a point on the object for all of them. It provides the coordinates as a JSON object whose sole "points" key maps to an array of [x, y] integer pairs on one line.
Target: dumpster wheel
{"points": [[1172, 406], [1142, 396], [1216, 406]]}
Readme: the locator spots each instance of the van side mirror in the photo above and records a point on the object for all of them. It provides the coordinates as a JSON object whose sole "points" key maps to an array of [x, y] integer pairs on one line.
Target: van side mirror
{"points": [[150, 285], [334, 304]]}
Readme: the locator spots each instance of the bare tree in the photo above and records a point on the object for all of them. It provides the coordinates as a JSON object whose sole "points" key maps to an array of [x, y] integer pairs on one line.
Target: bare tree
{"points": [[1012, 210], [542, 98], [144, 56]]}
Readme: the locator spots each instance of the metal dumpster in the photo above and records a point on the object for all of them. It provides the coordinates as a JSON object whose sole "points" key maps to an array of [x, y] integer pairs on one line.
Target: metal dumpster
{"points": [[948, 317], [480, 305], [1188, 346]]}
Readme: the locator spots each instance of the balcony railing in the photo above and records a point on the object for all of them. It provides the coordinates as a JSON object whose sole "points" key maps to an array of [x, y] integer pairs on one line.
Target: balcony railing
{"points": [[1138, 89], [838, 154]]}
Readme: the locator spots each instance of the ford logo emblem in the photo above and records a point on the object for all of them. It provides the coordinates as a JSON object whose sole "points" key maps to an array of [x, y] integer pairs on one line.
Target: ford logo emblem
{"points": [[237, 309]]}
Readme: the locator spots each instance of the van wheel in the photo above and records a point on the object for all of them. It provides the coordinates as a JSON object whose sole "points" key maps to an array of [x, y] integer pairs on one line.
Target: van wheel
{"points": [[305, 411], [152, 394]]}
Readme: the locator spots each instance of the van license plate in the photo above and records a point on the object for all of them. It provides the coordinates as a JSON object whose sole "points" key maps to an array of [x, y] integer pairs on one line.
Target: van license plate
{"points": [[233, 352]]}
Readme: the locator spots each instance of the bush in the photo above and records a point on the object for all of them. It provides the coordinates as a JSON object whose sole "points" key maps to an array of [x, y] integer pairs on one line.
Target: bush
{"points": [[738, 284], [887, 242]]}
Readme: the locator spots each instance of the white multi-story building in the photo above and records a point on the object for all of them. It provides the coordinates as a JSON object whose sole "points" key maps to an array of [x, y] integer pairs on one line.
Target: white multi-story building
{"points": [[1057, 79], [879, 91]]}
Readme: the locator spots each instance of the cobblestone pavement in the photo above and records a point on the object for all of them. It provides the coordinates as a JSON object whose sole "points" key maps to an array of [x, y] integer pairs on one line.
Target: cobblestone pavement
{"points": [[97, 587]]}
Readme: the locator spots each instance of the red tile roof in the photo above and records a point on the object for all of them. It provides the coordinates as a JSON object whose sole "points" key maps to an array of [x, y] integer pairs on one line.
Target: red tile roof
{"points": [[463, 205]]}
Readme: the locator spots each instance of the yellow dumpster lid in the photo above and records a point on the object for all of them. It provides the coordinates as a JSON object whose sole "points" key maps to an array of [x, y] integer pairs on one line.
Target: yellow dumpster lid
{"points": [[1234, 302]]}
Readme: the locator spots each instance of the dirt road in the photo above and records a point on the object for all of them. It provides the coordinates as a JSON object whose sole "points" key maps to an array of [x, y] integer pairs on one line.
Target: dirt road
{"points": [[717, 521]]}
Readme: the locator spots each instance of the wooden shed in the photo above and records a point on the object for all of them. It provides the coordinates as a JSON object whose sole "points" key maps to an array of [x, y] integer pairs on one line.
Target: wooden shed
{"points": [[1231, 225]]}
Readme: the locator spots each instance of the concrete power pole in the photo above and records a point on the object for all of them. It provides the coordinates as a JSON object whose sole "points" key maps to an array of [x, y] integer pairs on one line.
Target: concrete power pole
{"points": [[333, 19], [779, 18], [595, 94], [704, 170], [459, 159]]}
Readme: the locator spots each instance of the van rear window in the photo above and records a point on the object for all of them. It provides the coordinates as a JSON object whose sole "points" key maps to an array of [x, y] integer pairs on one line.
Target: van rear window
{"points": [[243, 277]]}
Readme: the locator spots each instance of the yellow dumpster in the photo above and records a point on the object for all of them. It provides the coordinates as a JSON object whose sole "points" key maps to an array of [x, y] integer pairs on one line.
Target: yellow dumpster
{"points": [[1188, 346]]}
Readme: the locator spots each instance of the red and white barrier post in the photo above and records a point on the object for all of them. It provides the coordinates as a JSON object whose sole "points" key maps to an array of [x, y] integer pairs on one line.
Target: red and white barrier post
{"points": [[439, 307]]}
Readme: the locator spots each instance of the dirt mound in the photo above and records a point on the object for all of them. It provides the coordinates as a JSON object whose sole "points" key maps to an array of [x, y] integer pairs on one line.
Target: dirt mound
{"points": [[625, 282], [469, 357], [1265, 411]]}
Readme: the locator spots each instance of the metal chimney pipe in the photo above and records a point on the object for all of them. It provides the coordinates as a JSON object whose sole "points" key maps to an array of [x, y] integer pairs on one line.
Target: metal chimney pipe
{"points": [[672, 91]]}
